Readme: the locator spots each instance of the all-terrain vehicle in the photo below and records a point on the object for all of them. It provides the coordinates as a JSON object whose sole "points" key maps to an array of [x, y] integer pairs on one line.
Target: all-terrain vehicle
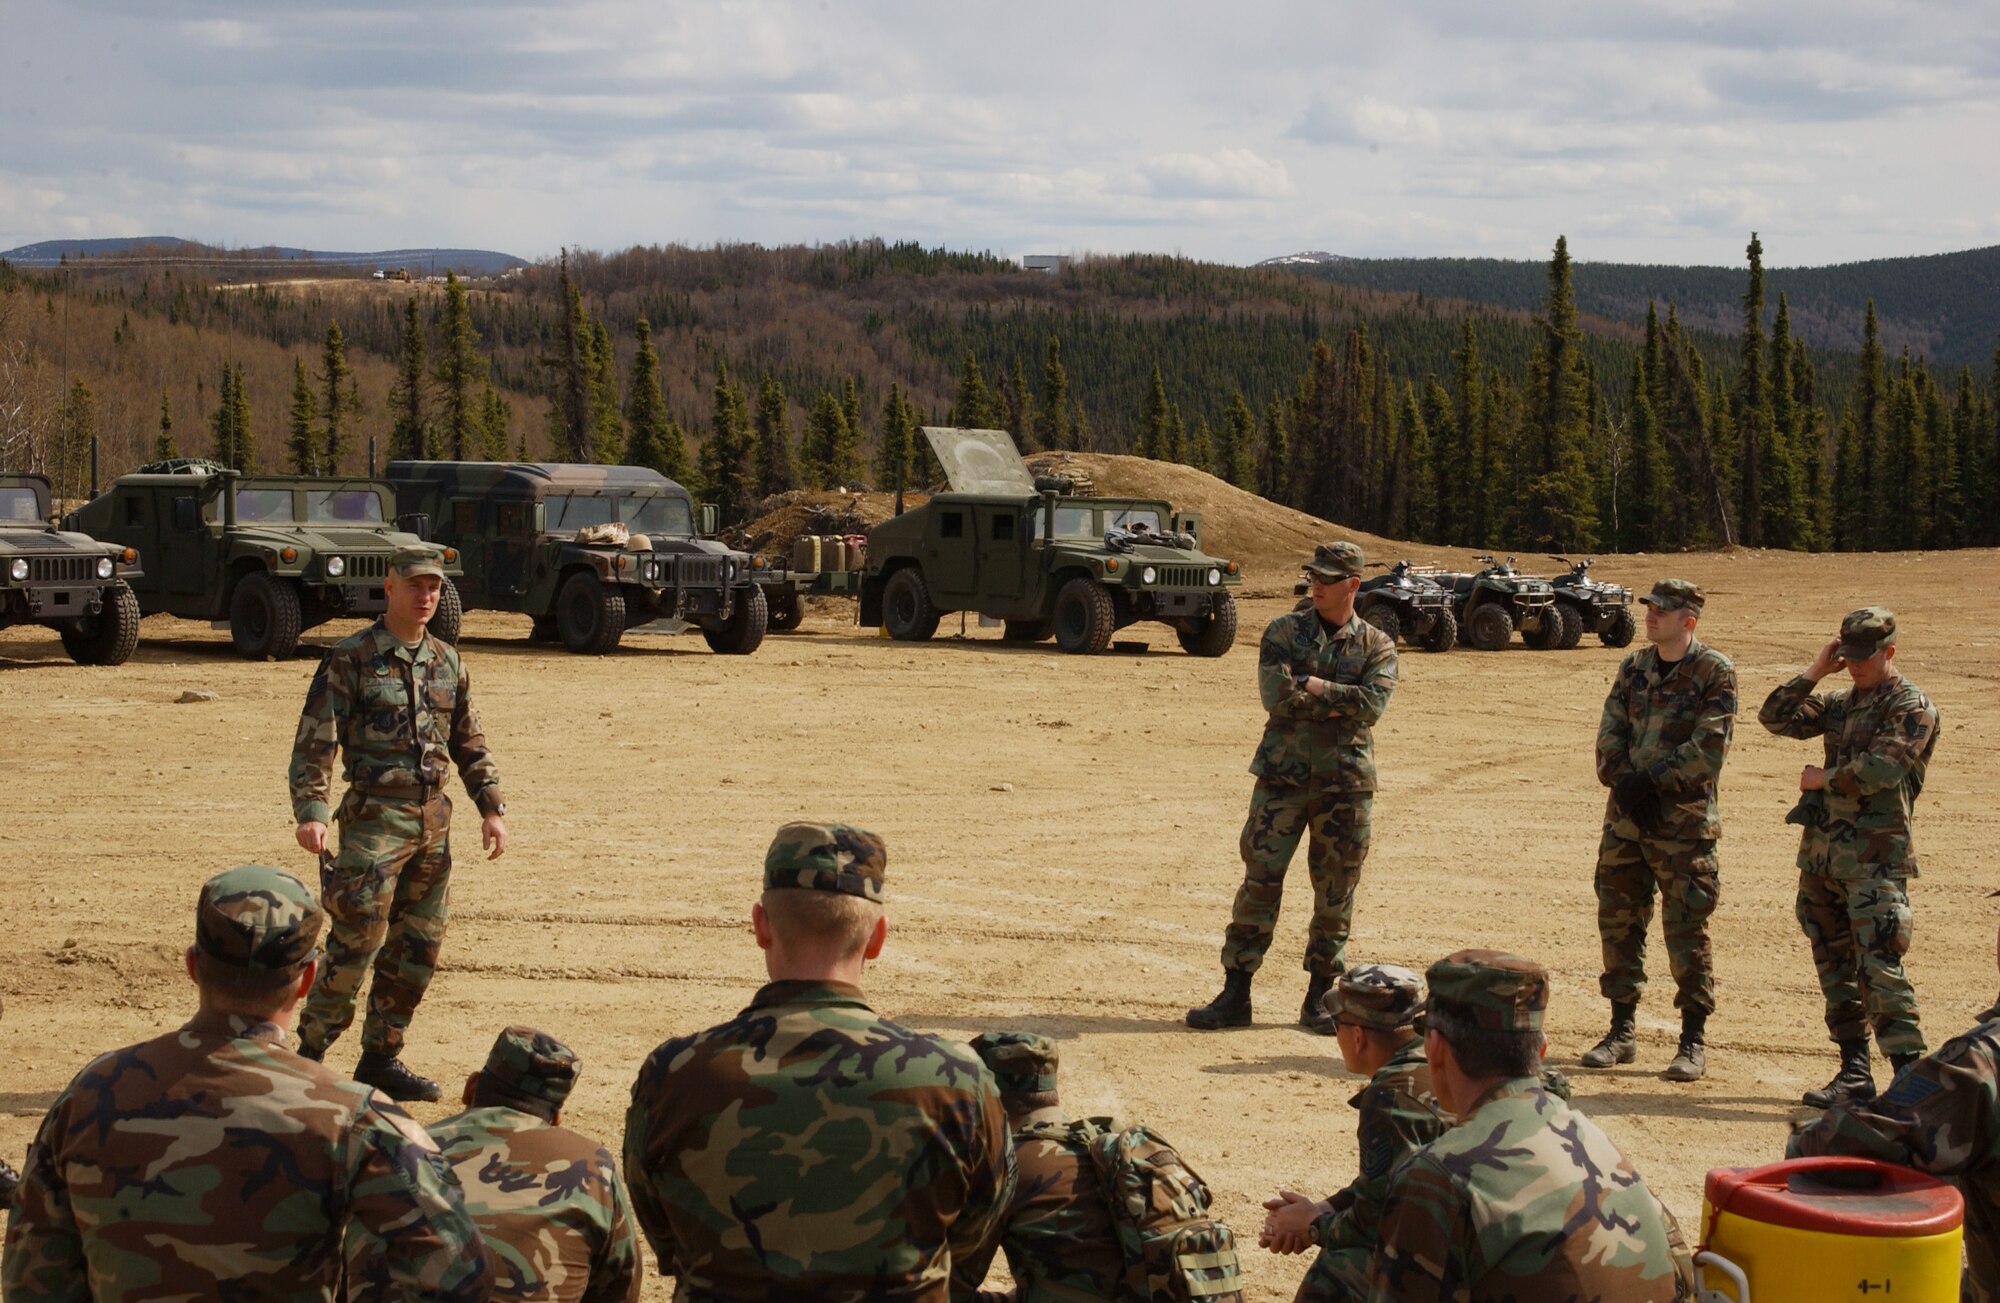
{"points": [[67, 581], [273, 555], [586, 552], [1591, 606], [1491, 603], [1406, 603], [1030, 554]]}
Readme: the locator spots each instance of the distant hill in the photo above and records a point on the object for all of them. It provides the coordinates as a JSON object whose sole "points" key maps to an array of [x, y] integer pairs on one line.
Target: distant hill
{"points": [[1946, 306], [471, 262]]}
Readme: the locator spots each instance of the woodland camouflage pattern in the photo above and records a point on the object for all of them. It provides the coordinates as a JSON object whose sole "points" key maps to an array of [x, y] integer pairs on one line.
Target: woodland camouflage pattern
{"points": [[258, 919], [1523, 1199], [1941, 1116], [549, 1205], [808, 1148], [1399, 1116], [1381, 997], [1672, 723], [1056, 1231], [826, 857], [1855, 852], [1315, 772], [213, 1162]]}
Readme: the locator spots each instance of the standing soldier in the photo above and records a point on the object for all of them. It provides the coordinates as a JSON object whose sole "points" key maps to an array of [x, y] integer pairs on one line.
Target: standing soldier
{"points": [[1855, 854], [1660, 748], [1325, 676], [809, 1148], [396, 704]]}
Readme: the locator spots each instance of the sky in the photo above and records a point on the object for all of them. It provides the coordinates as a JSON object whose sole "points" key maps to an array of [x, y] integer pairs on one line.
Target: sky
{"points": [[1225, 130]]}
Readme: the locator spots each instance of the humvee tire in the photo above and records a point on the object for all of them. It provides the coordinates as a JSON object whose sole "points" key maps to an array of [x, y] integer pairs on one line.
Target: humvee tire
{"points": [[1548, 635], [590, 615], [907, 612], [1490, 627], [450, 614], [1572, 626], [1623, 626], [1211, 634], [264, 617], [1442, 633], [744, 629], [1384, 617], [1025, 630], [784, 611], [109, 637], [1085, 619]]}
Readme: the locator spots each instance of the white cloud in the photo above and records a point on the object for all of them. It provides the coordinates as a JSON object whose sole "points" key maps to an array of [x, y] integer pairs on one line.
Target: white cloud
{"points": [[1224, 174]]}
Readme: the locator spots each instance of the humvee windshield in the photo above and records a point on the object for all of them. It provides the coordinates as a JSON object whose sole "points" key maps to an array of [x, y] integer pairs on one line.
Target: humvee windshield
{"points": [[1131, 518], [18, 507], [568, 512], [252, 505], [352, 506], [1071, 522], [656, 515]]}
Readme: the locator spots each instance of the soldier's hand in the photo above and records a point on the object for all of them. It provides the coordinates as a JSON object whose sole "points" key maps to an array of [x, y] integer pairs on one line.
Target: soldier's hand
{"points": [[1827, 662], [493, 836], [1288, 1229], [311, 836], [1314, 686], [1812, 779]]}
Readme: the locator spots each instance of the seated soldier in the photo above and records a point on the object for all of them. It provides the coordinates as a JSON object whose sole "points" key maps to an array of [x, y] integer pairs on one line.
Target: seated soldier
{"points": [[1375, 1010], [546, 1199], [1057, 1229], [213, 1162]]}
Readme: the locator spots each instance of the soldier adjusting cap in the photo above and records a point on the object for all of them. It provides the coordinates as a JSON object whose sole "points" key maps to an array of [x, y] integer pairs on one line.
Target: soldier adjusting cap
{"points": [[1865, 632], [826, 857], [1335, 561], [1498, 991], [419, 559], [257, 918], [1676, 595], [1381, 997], [530, 1064], [1022, 1062]]}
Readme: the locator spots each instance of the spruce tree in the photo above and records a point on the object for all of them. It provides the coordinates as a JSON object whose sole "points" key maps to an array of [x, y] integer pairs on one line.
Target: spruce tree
{"points": [[1751, 408], [1646, 482], [410, 434], [728, 460], [899, 433], [1275, 455], [1462, 488], [1177, 436], [163, 443], [1024, 418], [607, 423], [1055, 431], [1201, 447], [1814, 451], [459, 368], [570, 425], [849, 461], [229, 426], [339, 398], [76, 430], [1854, 488], [495, 424], [1239, 436], [1417, 511], [771, 427], [653, 437], [302, 440], [825, 426], [1559, 511], [973, 409], [1446, 464], [1786, 518], [1155, 436]]}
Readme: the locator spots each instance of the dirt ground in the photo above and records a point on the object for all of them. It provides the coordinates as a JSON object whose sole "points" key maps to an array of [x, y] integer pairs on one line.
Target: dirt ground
{"points": [[1062, 839]]}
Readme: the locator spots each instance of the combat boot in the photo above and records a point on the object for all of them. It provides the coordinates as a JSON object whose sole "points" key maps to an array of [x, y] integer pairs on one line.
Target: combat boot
{"points": [[1692, 1058], [1900, 1061], [1312, 1014], [307, 1050], [386, 1073], [10, 1181], [1229, 1009], [1621, 1043], [1853, 1084]]}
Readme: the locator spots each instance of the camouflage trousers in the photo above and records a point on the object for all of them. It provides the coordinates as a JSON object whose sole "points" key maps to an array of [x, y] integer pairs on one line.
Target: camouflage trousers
{"points": [[1336, 1276], [1336, 827], [1685, 877], [1859, 929], [386, 897]]}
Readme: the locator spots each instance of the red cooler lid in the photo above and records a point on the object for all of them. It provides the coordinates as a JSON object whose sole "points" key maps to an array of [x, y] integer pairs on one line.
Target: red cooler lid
{"points": [[1842, 1196]]}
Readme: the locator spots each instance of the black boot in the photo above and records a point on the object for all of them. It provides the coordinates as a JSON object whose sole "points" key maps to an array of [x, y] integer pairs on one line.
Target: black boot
{"points": [[10, 1181], [1692, 1059], [1229, 1009], [1853, 1084], [1312, 1014], [307, 1050], [386, 1073], [1900, 1061], [1621, 1043]]}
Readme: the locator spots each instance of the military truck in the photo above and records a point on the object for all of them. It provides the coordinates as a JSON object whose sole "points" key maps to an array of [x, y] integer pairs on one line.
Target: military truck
{"points": [[65, 581], [272, 555], [1491, 603], [586, 552], [1042, 561]]}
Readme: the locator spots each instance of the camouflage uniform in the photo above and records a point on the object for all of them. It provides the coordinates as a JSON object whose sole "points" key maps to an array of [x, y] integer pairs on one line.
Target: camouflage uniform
{"points": [[1670, 724], [1057, 1231], [1399, 1116], [809, 1148], [546, 1199], [1943, 1117], [213, 1162], [388, 890], [1524, 1198], [1315, 772], [1855, 853]]}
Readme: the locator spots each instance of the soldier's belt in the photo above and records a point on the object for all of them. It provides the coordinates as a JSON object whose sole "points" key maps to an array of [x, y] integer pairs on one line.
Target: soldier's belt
{"points": [[401, 791]]}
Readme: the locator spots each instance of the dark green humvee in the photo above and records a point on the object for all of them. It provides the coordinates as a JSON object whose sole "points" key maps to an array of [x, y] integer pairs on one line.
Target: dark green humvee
{"points": [[67, 581], [1027, 553], [586, 551], [274, 555]]}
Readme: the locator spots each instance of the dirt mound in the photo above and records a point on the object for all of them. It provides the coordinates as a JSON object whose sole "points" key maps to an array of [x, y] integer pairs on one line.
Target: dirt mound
{"points": [[783, 517]]}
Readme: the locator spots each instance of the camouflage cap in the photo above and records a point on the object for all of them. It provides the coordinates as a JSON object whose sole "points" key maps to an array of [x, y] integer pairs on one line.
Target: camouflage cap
{"points": [[418, 559], [1676, 595], [1022, 1062], [1332, 561], [1865, 632], [531, 1064], [826, 857], [257, 918], [1501, 992], [1381, 997]]}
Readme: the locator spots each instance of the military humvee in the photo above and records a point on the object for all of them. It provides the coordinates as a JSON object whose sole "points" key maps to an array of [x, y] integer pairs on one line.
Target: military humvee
{"points": [[69, 582], [274, 555], [586, 551], [1029, 554]]}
